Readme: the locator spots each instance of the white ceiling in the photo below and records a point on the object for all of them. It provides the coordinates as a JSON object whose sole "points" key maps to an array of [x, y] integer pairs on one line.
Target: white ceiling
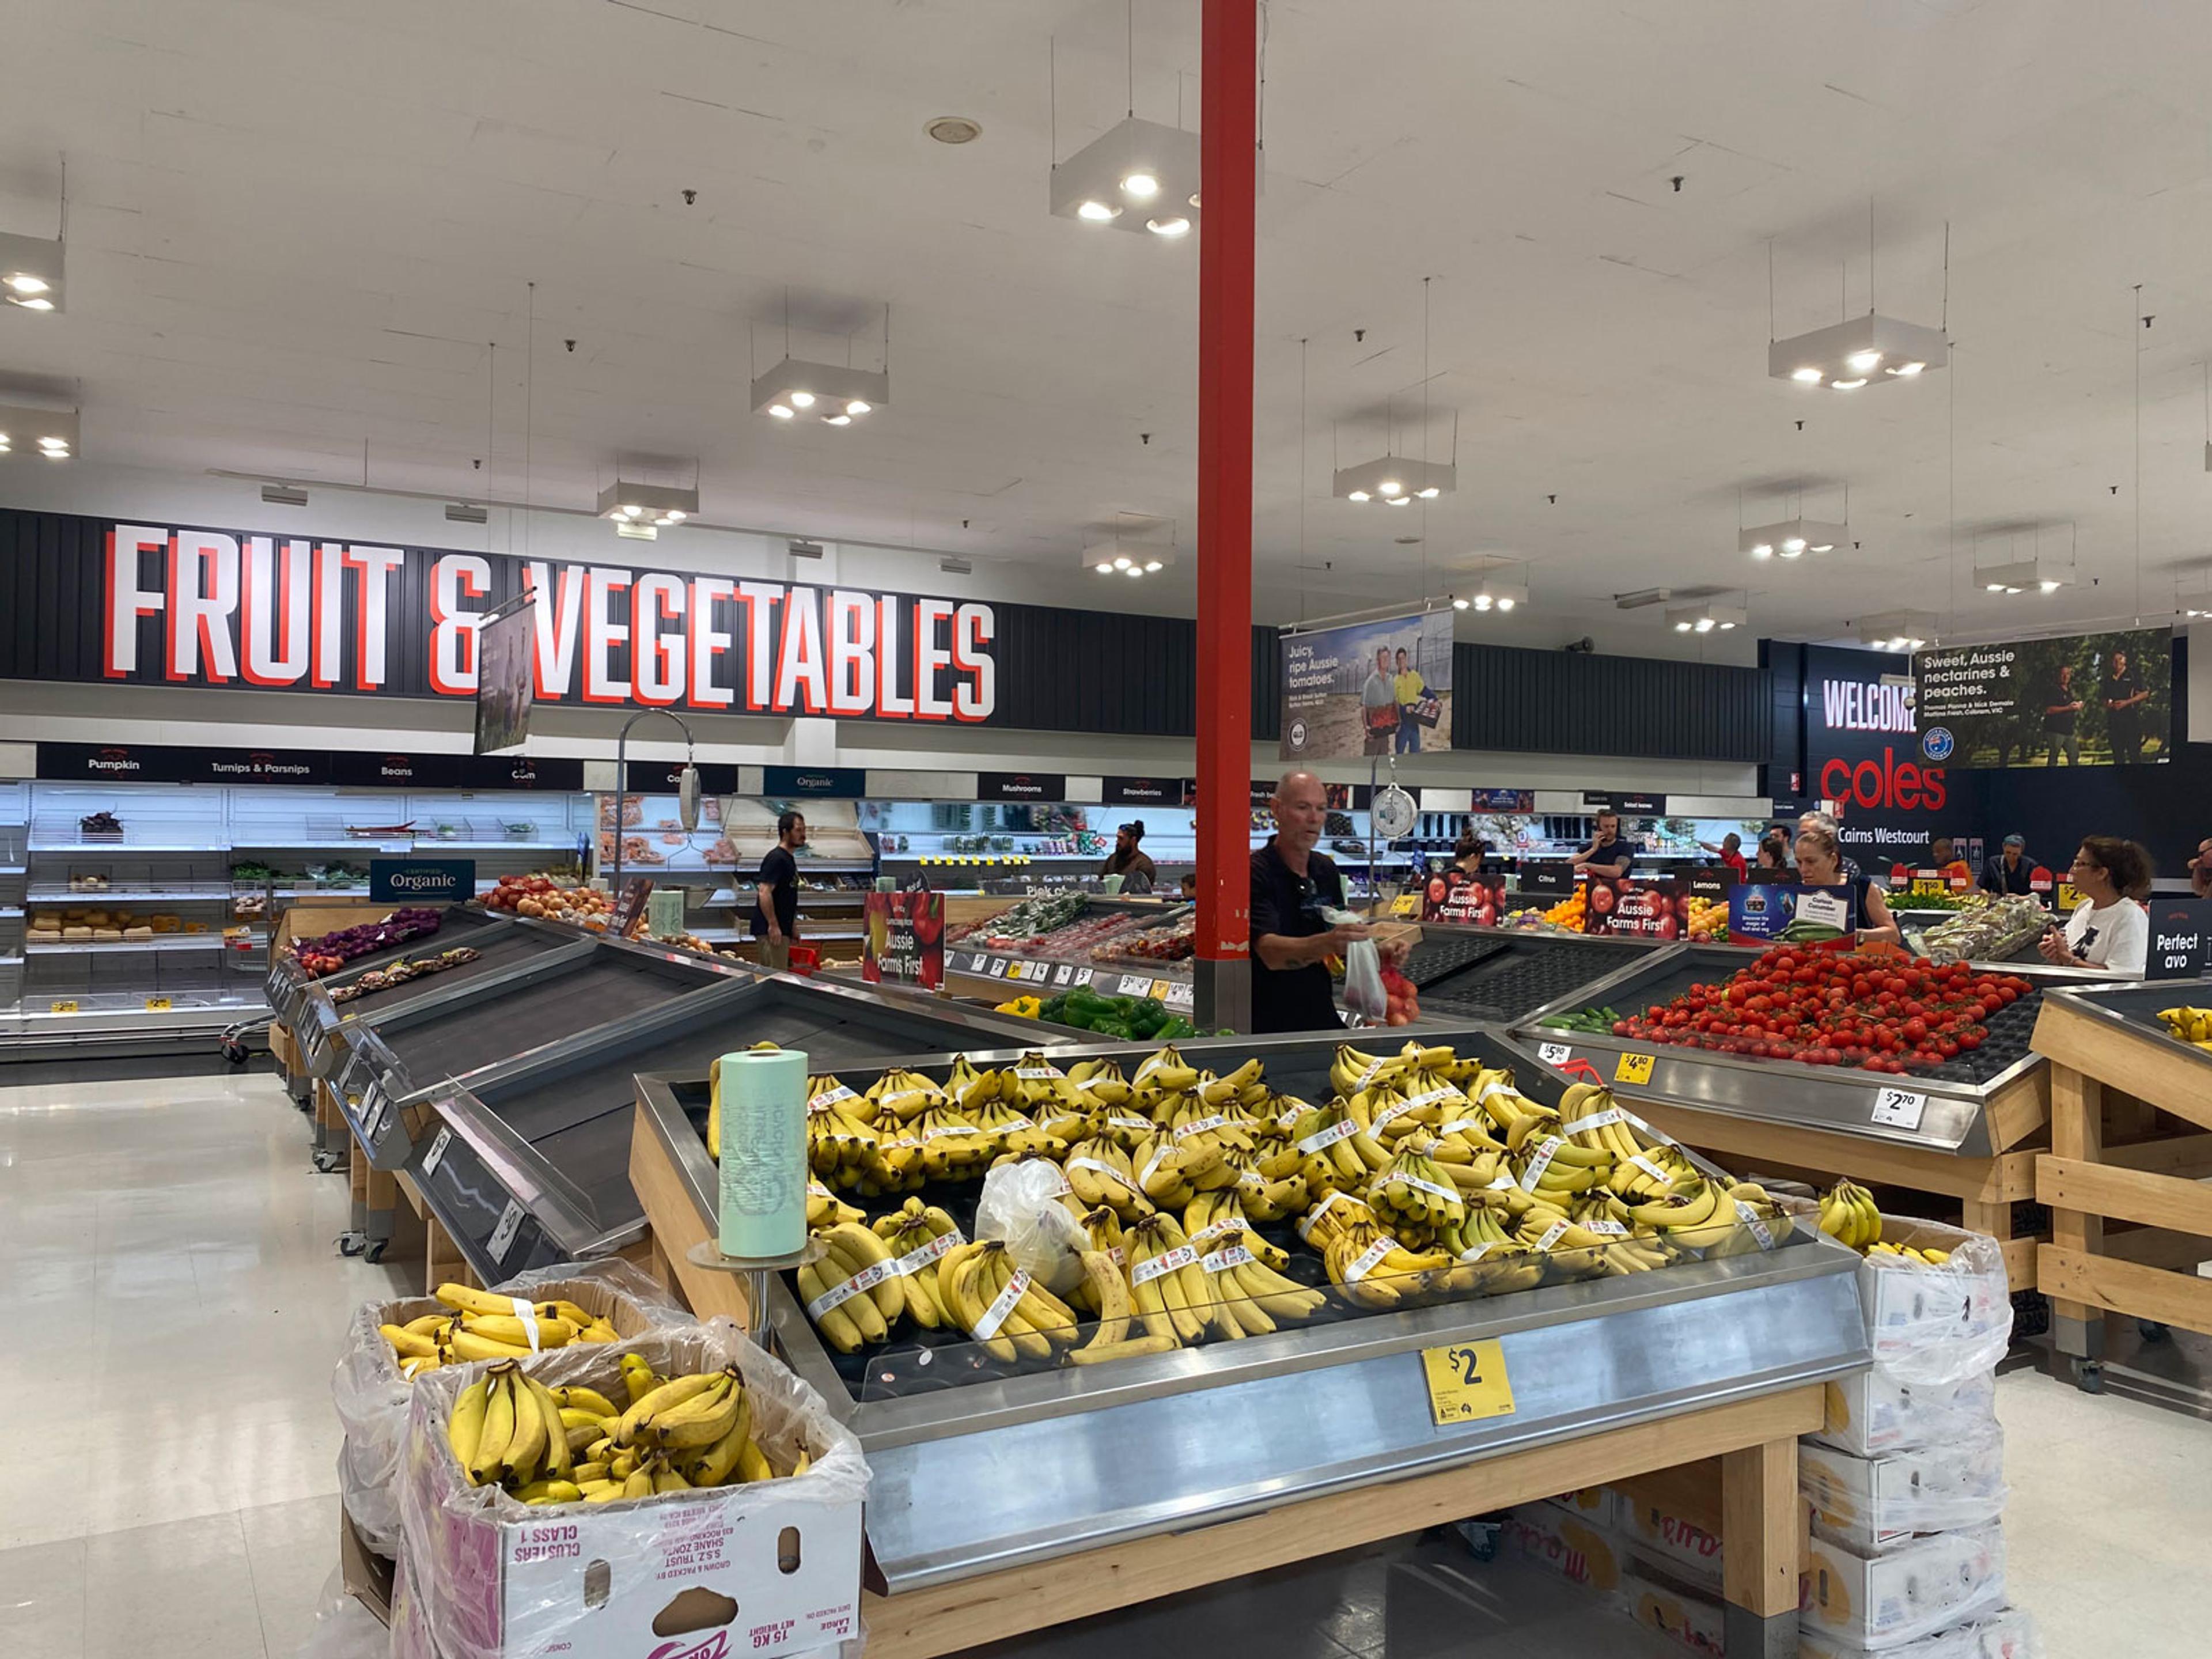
{"points": [[295, 225]]}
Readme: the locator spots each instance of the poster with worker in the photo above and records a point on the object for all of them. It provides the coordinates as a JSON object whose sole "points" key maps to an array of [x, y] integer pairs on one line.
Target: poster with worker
{"points": [[1368, 689], [2080, 700]]}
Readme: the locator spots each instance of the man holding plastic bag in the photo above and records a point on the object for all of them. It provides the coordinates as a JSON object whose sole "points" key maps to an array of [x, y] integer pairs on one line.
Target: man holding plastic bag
{"points": [[1297, 899]]}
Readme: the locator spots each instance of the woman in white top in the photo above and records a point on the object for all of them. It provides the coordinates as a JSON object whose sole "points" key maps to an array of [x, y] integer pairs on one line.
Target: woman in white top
{"points": [[2109, 928]]}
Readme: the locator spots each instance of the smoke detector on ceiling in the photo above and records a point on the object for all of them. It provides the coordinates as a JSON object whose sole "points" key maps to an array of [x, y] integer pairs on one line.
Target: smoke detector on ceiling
{"points": [[954, 130]]}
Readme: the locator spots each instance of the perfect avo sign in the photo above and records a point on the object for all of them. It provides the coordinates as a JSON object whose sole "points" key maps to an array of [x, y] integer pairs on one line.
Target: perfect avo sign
{"points": [[195, 607]]}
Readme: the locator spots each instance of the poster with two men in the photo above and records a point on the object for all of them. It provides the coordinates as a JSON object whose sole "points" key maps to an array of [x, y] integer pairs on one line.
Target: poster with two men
{"points": [[1368, 689]]}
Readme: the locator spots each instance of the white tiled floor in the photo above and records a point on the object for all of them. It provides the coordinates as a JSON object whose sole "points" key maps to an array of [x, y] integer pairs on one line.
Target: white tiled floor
{"points": [[171, 1303]]}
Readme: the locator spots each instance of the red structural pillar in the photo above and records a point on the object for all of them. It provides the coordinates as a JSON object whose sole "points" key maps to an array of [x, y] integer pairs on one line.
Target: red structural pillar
{"points": [[1229, 185]]}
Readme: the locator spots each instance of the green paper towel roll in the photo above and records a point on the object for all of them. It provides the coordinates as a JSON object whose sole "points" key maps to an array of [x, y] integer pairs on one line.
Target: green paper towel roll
{"points": [[762, 1095]]}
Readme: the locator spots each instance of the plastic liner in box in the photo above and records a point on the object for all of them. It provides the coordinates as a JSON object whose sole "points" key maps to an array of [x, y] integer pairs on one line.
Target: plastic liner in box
{"points": [[1876, 1504], [488, 1577], [1881, 1602], [372, 1396], [1872, 1413], [1936, 1324], [2009, 1634]]}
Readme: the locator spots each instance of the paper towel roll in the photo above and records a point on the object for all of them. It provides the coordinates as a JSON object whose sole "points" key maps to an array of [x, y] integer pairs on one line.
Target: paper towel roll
{"points": [[761, 1095]]}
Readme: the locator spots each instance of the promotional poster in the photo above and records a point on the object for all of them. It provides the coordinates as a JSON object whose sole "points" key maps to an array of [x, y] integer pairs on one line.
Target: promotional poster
{"points": [[2082, 699], [1368, 689], [906, 939], [504, 683]]}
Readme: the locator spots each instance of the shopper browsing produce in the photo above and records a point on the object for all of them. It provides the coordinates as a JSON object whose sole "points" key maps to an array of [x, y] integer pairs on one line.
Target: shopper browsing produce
{"points": [[1822, 821], [1729, 850], [2200, 870], [1472, 854], [1820, 864], [1773, 851], [2109, 928], [1943, 854], [1409, 686], [2011, 870], [1608, 854], [1291, 941], [775, 897], [1128, 860]]}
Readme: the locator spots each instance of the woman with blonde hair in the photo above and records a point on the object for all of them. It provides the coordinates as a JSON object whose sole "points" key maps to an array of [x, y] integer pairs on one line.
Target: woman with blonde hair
{"points": [[1820, 864]]}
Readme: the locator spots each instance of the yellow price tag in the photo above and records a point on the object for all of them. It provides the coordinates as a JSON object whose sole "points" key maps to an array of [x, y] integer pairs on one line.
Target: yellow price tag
{"points": [[1160, 989], [1406, 904], [1466, 1382], [2069, 896], [1634, 1068], [157, 1005], [63, 1008]]}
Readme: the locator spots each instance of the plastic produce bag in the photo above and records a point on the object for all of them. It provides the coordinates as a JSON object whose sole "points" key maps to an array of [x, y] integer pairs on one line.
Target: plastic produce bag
{"points": [[1364, 993], [372, 1396], [344, 1629], [1021, 1208], [1936, 1324], [704, 1570]]}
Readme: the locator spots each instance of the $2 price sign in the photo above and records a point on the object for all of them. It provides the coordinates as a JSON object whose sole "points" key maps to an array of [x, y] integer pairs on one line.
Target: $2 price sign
{"points": [[1466, 1382]]}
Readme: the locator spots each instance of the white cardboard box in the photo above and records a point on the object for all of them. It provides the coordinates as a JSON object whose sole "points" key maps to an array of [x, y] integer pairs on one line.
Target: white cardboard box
{"points": [[1873, 1413], [2010, 1634], [1872, 1504], [1698, 1622], [1568, 1545], [1682, 1546], [1930, 1324], [1926, 1586]]}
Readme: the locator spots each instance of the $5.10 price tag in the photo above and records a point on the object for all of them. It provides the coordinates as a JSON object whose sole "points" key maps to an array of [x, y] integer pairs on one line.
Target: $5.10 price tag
{"points": [[1466, 1382], [1900, 1109], [1634, 1068]]}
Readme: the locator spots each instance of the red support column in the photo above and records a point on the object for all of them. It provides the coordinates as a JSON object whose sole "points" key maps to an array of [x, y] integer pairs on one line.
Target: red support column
{"points": [[1228, 186]]}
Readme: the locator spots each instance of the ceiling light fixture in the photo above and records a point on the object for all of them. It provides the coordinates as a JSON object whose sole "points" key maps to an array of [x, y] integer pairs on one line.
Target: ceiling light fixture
{"points": [[1791, 537], [1393, 478], [837, 420], [1137, 161], [1131, 544], [1898, 630], [2021, 575], [781, 411], [31, 272], [800, 401], [1706, 617], [823, 391], [633, 504], [1845, 354]]}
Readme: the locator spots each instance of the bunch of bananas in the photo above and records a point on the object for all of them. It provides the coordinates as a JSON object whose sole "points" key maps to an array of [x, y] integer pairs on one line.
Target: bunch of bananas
{"points": [[1339, 1151], [851, 1295], [841, 1140], [1001, 1306], [1170, 1174], [952, 1144], [1106, 1292], [1163, 1072], [548, 1446], [968, 1088], [1848, 1213], [483, 1326], [902, 1096], [916, 1238], [1100, 1173], [1920, 1254], [1376, 1271], [1413, 1190], [1101, 1081], [715, 1103], [1692, 1217], [1211, 1216], [2190, 1025], [825, 1209]]}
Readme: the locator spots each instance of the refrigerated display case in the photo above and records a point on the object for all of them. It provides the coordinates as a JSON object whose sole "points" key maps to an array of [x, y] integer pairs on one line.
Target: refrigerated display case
{"points": [[1116, 1457]]}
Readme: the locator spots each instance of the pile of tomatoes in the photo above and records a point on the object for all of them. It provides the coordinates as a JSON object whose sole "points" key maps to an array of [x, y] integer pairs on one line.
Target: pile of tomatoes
{"points": [[1878, 1009]]}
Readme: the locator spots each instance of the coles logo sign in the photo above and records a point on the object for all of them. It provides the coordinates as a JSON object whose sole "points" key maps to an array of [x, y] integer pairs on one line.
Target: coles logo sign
{"points": [[1862, 739]]}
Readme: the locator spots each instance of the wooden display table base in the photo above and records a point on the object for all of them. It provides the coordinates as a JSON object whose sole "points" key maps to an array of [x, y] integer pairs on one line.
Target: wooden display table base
{"points": [[2146, 1266], [1756, 1441]]}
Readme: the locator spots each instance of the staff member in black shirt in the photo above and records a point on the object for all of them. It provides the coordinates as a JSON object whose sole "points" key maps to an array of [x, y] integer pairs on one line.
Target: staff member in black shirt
{"points": [[1291, 943], [1609, 854], [776, 899], [2010, 871]]}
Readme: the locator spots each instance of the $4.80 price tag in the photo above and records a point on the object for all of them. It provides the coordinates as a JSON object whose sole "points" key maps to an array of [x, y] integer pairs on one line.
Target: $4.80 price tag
{"points": [[1466, 1382], [1634, 1068]]}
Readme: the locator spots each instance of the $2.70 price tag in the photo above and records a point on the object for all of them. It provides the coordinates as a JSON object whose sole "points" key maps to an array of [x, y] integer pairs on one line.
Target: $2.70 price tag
{"points": [[1634, 1068], [1466, 1382], [1900, 1109]]}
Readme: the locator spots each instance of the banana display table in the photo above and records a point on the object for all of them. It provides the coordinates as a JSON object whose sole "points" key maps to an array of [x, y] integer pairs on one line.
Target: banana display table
{"points": [[1011, 1497], [2131, 1146]]}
